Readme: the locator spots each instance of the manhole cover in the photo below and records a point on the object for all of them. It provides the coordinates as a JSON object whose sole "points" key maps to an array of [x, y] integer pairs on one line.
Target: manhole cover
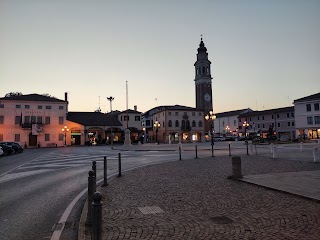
{"points": [[150, 210], [221, 220]]}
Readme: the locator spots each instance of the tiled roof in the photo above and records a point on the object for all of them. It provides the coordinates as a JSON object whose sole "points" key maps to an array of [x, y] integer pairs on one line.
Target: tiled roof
{"points": [[169, 107], [94, 119], [308, 98], [269, 111], [32, 98], [130, 111], [232, 113]]}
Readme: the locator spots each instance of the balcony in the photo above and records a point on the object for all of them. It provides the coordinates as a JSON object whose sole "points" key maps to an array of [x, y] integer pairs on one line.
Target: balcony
{"points": [[26, 125], [186, 128]]}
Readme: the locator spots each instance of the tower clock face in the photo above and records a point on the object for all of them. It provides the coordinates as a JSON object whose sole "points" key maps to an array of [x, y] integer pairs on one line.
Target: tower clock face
{"points": [[207, 97]]}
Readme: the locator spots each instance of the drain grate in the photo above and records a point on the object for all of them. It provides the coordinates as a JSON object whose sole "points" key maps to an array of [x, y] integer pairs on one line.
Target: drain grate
{"points": [[221, 220], [150, 210]]}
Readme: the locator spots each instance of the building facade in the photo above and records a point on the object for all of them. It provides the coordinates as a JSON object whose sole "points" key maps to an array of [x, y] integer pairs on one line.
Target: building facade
{"points": [[307, 116], [131, 119], [33, 120], [279, 122]]}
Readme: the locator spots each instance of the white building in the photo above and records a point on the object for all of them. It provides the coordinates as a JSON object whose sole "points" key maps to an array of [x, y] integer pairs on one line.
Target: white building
{"points": [[33, 119], [307, 116]]}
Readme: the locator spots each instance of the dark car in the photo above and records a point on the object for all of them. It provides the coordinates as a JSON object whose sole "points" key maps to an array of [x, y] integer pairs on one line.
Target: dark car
{"points": [[16, 146], [7, 150]]}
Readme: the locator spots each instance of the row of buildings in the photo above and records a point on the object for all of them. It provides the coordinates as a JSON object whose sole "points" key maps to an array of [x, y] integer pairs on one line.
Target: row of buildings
{"points": [[41, 120]]}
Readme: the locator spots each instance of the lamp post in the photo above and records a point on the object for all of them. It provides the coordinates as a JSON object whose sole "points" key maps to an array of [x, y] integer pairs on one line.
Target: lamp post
{"points": [[157, 126], [111, 136], [245, 125], [227, 129], [211, 117], [65, 130]]}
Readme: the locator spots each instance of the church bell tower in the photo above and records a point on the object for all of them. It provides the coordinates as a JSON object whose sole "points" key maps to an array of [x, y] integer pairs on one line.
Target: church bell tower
{"points": [[203, 80]]}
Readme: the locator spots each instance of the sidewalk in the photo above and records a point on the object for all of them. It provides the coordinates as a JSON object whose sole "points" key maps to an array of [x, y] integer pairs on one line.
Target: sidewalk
{"points": [[194, 199]]}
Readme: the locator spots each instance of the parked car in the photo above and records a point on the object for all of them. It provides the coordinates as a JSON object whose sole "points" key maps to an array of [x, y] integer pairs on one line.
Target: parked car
{"points": [[217, 139], [1, 151], [7, 150], [16, 146]]}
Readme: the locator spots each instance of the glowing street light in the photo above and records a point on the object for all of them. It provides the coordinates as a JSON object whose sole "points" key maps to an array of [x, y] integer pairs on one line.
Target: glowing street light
{"points": [[65, 130], [157, 126], [211, 117]]}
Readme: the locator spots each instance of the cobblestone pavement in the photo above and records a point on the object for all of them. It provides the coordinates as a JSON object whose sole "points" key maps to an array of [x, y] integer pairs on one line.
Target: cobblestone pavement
{"points": [[194, 199]]}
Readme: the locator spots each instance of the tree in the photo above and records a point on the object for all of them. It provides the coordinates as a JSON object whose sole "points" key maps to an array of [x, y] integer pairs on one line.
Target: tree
{"points": [[12, 94]]}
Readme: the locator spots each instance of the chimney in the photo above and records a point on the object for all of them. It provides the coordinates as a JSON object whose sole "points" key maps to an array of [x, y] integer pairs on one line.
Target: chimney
{"points": [[135, 107], [66, 96]]}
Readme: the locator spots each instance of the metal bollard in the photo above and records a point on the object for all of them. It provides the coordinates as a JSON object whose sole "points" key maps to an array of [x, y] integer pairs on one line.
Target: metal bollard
{"points": [[94, 169], [301, 147], [229, 149], [179, 152], [119, 160], [196, 151], [271, 147], [97, 216], [212, 150], [316, 156], [105, 174], [236, 167], [274, 152], [91, 190], [247, 143]]}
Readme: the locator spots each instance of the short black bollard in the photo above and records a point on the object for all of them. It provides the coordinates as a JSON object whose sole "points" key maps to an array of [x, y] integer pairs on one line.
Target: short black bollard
{"points": [[212, 151], [247, 143], [196, 151], [236, 167], [94, 169], [97, 216], [119, 159], [105, 174], [179, 152], [229, 149], [91, 190]]}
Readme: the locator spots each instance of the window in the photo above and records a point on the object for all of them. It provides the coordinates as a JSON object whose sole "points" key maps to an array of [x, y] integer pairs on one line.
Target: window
{"points": [[308, 107], [18, 106], [272, 116], [1, 105], [262, 125], [194, 123], [240, 127], [147, 122], [288, 115], [193, 113], [292, 124], [27, 106], [1, 137], [183, 123], [33, 119], [234, 122], [1, 119], [223, 123], [262, 117], [272, 124], [288, 124], [177, 123], [185, 114], [17, 120], [39, 120], [39, 107], [278, 124], [169, 123], [316, 119], [61, 120], [60, 107], [137, 118], [239, 120], [176, 113], [61, 136], [200, 114], [48, 107], [17, 137], [27, 119], [258, 118], [292, 114], [250, 119], [316, 106], [169, 113], [47, 137], [309, 121], [258, 125], [200, 124], [278, 115], [47, 120]]}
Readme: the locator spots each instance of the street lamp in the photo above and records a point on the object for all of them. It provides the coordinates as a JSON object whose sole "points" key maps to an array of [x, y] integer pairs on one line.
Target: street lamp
{"points": [[157, 126], [227, 129], [246, 125], [211, 117], [111, 140], [65, 130]]}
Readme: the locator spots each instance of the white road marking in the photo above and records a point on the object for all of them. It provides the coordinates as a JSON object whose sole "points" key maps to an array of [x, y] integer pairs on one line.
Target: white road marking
{"points": [[12, 176]]}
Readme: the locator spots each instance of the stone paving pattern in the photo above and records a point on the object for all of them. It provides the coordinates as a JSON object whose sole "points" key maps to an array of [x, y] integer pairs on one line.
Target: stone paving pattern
{"points": [[200, 202]]}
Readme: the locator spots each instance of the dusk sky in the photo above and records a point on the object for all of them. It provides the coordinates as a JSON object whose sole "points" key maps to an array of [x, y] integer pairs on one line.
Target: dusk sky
{"points": [[264, 54]]}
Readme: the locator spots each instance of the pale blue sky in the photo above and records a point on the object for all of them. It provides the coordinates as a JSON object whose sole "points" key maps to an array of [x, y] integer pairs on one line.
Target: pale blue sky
{"points": [[264, 54]]}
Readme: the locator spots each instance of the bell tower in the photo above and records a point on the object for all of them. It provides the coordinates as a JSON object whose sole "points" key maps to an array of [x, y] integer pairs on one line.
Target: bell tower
{"points": [[203, 80]]}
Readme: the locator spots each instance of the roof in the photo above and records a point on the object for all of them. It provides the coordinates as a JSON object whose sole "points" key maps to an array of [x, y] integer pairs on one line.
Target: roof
{"points": [[94, 119], [308, 98], [130, 111], [269, 111], [170, 107], [33, 98], [232, 113]]}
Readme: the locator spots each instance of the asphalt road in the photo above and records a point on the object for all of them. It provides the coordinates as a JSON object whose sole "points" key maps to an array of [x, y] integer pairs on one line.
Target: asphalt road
{"points": [[37, 186]]}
